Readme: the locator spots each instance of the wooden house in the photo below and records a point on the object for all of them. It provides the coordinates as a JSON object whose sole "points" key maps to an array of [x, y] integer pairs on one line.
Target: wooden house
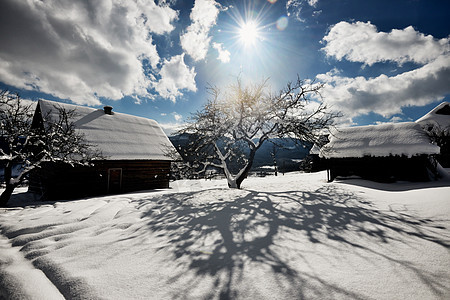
{"points": [[134, 151], [387, 152]]}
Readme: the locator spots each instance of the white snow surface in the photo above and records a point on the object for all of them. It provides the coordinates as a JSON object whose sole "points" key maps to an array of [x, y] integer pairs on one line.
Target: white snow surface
{"points": [[287, 237], [407, 139], [434, 119], [118, 136]]}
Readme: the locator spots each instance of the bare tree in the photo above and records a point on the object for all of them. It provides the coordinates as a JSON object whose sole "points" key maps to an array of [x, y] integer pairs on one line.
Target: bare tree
{"points": [[31, 145], [440, 136], [231, 127]]}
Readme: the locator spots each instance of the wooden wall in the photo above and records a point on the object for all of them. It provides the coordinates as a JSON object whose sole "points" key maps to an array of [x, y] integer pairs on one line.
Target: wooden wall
{"points": [[382, 169], [58, 181]]}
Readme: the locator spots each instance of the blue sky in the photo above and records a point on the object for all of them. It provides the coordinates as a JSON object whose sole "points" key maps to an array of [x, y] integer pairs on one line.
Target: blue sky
{"points": [[380, 61]]}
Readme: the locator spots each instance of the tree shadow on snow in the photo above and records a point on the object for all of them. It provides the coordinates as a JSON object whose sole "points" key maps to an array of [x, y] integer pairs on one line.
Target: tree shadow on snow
{"points": [[219, 237]]}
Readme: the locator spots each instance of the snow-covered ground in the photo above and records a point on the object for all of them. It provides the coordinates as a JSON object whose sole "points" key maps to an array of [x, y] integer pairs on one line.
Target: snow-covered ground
{"points": [[287, 237]]}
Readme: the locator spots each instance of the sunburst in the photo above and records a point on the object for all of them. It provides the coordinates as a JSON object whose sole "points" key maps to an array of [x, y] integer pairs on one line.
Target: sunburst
{"points": [[249, 32]]}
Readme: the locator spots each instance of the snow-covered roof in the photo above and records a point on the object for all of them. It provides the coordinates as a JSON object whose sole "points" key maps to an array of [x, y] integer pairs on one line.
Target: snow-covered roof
{"points": [[118, 136], [440, 116], [379, 140]]}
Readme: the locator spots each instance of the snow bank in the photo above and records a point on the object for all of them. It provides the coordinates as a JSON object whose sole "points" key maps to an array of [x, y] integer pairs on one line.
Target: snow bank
{"points": [[287, 237], [379, 140]]}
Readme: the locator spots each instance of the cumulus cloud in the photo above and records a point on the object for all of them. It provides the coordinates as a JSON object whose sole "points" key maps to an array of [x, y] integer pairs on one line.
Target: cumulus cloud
{"points": [[362, 42], [195, 41], [175, 76], [385, 95], [81, 50], [224, 55]]}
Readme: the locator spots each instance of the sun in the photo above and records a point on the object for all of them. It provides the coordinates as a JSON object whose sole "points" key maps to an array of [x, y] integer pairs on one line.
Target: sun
{"points": [[249, 33]]}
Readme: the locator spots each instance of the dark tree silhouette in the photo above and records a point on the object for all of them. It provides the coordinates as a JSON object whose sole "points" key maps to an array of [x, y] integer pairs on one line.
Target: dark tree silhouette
{"points": [[28, 146], [441, 137]]}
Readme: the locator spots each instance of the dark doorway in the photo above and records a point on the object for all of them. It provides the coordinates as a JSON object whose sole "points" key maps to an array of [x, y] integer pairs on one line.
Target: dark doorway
{"points": [[114, 180]]}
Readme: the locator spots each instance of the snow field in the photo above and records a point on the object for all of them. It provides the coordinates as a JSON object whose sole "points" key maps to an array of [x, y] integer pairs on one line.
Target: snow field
{"points": [[285, 237]]}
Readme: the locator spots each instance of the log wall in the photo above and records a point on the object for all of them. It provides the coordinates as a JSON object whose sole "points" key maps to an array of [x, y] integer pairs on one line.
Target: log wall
{"points": [[382, 169], [59, 181]]}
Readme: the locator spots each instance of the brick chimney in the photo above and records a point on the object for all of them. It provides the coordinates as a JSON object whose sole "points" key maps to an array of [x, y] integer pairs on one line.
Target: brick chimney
{"points": [[108, 110]]}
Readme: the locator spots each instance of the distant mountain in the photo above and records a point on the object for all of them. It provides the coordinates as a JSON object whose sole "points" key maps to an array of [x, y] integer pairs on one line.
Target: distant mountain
{"points": [[287, 153]]}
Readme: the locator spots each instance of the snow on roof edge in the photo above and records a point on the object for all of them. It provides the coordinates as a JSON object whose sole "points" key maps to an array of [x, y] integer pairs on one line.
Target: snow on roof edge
{"points": [[432, 118]]}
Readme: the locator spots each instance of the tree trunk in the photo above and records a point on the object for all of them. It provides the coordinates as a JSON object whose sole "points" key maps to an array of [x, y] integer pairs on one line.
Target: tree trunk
{"points": [[232, 184], [244, 174], [235, 182], [242, 177], [6, 195]]}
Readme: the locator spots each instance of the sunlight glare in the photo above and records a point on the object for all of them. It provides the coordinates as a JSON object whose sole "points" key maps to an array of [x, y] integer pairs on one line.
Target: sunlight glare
{"points": [[248, 32]]}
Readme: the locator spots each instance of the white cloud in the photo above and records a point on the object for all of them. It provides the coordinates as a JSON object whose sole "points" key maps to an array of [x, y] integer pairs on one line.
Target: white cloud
{"points": [[385, 95], [158, 18], [195, 41], [81, 50], [177, 116], [170, 128], [362, 42], [313, 3], [395, 119], [294, 7], [175, 76], [224, 55]]}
